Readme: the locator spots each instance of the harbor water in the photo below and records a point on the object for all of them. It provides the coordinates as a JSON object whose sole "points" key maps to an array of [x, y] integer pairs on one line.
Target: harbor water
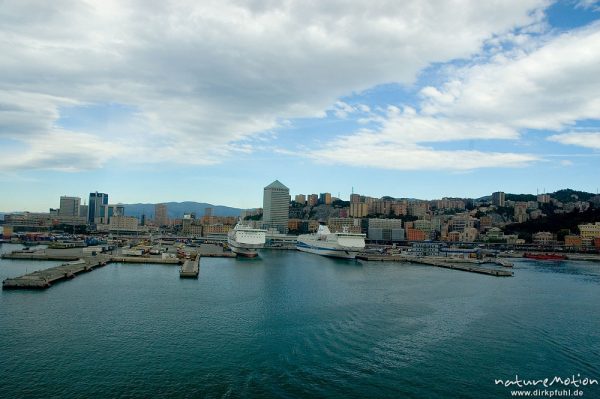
{"points": [[291, 324]]}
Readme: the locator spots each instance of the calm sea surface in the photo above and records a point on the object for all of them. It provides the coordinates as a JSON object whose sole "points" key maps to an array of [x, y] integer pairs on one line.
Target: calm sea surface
{"points": [[292, 324]]}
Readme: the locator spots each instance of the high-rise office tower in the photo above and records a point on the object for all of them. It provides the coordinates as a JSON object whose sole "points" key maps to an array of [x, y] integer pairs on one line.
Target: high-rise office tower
{"points": [[98, 208], [69, 206], [276, 202]]}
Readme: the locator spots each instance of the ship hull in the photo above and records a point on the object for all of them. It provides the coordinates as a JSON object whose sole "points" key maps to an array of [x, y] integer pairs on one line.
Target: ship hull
{"points": [[330, 252], [245, 252]]}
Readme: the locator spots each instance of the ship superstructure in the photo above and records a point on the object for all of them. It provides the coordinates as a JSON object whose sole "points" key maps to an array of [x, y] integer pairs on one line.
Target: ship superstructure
{"points": [[339, 245], [245, 240]]}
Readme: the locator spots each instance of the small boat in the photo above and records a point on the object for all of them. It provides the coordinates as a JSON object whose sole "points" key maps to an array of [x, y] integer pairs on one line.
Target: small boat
{"points": [[544, 256]]}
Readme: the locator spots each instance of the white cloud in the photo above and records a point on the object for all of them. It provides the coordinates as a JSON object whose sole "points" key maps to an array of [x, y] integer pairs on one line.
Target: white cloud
{"points": [[581, 139], [205, 76], [550, 85]]}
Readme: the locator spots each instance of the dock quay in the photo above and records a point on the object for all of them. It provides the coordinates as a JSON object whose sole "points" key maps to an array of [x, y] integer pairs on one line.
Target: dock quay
{"points": [[42, 279], [39, 256], [455, 264], [133, 259], [219, 255], [190, 268]]}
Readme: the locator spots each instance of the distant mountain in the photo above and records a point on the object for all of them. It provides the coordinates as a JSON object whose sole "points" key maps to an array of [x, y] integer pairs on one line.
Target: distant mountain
{"points": [[175, 210]]}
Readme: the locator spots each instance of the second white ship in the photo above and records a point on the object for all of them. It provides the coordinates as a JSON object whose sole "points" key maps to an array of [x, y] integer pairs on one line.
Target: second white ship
{"points": [[245, 240], [339, 245]]}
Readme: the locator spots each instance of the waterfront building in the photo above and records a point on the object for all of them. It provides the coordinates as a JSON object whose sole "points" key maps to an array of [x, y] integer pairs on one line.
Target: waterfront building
{"points": [[69, 206], [97, 208], [300, 198], [589, 231], [219, 228], [573, 242], [160, 215], [123, 224], [338, 225], [543, 238], [415, 235], [276, 200], [498, 198], [385, 230], [426, 248]]}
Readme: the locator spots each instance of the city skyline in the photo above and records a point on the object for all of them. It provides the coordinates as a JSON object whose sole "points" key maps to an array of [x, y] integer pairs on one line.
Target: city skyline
{"points": [[406, 100]]}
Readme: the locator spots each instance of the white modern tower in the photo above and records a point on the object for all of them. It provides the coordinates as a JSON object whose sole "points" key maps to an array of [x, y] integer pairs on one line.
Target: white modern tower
{"points": [[276, 202]]}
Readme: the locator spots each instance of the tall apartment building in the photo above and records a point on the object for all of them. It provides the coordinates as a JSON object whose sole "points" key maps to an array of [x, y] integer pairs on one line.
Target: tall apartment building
{"points": [[498, 198], [358, 210], [313, 199], [325, 198], [276, 200], [520, 212], [160, 215], [354, 198], [69, 206], [98, 208], [300, 198]]}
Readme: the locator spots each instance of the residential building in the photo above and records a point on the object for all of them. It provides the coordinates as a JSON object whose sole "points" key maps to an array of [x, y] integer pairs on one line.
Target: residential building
{"points": [[543, 198], [573, 242], [313, 199], [325, 198], [276, 200], [354, 198], [300, 198], [358, 210], [589, 231], [498, 198], [161, 217], [520, 212]]}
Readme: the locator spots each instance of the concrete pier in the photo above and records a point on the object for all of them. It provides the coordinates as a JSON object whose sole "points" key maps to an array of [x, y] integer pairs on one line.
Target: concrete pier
{"points": [[467, 266], [26, 255], [190, 268], [45, 278]]}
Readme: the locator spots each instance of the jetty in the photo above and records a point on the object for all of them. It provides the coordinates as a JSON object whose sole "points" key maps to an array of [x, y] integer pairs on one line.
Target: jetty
{"points": [[465, 265], [190, 268], [30, 255], [42, 279]]}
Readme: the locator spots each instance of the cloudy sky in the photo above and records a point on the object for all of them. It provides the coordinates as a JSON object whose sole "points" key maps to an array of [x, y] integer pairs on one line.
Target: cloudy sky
{"points": [[210, 101]]}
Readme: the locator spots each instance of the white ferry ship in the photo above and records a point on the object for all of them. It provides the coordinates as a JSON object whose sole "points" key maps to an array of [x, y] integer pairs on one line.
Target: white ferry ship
{"points": [[339, 245], [245, 240]]}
